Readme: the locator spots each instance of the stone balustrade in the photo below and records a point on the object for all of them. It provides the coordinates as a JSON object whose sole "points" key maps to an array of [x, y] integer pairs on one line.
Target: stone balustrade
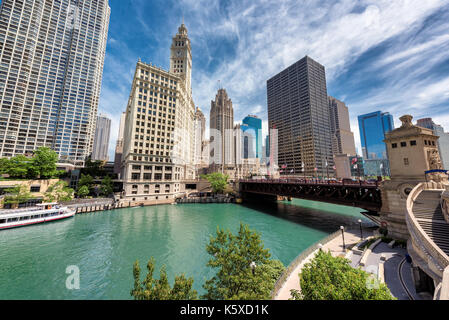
{"points": [[445, 204], [437, 260]]}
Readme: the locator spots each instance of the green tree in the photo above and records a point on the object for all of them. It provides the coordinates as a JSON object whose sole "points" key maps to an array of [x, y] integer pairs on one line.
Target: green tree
{"points": [[17, 194], [59, 192], [44, 162], [217, 180], [83, 191], [94, 168], [159, 289], [332, 278], [244, 269], [106, 187], [86, 180]]}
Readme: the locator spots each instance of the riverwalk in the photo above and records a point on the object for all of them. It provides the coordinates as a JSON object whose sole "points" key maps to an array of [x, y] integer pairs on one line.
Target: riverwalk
{"points": [[335, 246], [396, 270]]}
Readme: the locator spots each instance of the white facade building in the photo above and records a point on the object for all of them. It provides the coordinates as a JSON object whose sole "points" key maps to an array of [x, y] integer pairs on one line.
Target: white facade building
{"points": [[52, 55], [158, 148]]}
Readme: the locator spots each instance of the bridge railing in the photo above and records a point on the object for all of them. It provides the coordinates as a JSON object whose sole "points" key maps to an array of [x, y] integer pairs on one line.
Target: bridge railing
{"points": [[358, 183], [418, 236]]}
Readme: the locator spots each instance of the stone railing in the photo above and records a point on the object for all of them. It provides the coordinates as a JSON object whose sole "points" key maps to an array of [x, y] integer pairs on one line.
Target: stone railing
{"points": [[300, 258], [445, 204], [437, 259]]}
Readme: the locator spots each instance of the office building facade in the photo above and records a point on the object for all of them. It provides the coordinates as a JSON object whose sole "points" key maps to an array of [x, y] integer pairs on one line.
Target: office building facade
{"points": [[342, 136], [101, 140], [373, 127], [221, 131], [298, 108], [253, 127], [158, 149], [52, 56]]}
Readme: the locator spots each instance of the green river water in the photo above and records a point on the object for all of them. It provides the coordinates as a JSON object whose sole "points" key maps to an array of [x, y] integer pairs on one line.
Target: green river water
{"points": [[104, 245]]}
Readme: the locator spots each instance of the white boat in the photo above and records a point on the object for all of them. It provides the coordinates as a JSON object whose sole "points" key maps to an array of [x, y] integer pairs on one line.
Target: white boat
{"points": [[45, 212]]}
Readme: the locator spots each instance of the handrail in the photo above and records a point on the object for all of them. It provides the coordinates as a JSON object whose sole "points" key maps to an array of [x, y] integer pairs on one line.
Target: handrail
{"points": [[303, 255], [314, 182], [437, 255]]}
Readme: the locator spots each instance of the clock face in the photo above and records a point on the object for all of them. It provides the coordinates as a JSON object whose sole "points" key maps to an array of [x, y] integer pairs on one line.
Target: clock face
{"points": [[178, 53]]}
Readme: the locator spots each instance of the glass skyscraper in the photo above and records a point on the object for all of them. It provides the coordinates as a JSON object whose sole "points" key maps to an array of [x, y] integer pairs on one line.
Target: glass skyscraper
{"points": [[252, 125], [373, 127], [52, 55]]}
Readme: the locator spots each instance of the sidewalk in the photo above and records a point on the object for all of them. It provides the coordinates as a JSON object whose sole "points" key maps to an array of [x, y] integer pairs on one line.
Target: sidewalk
{"points": [[336, 248]]}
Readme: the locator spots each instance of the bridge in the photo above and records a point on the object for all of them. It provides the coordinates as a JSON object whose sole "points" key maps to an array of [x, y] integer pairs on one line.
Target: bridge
{"points": [[362, 194]]}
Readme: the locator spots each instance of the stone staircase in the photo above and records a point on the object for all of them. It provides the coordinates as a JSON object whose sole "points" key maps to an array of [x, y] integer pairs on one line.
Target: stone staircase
{"points": [[428, 213]]}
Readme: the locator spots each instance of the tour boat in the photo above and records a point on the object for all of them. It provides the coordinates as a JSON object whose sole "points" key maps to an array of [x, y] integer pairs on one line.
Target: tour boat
{"points": [[45, 212]]}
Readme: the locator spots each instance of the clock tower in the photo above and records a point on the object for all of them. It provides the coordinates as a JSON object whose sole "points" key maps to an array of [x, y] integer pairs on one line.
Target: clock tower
{"points": [[181, 57]]}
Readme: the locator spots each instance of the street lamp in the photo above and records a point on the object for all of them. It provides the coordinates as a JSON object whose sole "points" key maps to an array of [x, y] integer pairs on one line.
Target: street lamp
{"points": [[343, 236], [361, 232], [253, 266]]}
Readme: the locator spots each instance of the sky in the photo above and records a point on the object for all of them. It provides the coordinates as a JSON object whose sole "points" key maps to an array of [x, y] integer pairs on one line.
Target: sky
{"points": [[383, 55]]}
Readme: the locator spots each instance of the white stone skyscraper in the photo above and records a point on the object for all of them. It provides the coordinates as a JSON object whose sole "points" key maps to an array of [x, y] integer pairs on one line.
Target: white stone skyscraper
{"points": [[101, 140], [158, 148], [52, 55]]}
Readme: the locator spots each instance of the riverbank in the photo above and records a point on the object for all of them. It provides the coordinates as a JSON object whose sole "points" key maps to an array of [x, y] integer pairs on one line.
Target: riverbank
{"points": [[332, 243]]}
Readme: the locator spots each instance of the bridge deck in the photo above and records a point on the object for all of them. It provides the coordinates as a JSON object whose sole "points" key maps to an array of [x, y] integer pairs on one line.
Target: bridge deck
{"points": [[427, 211]]}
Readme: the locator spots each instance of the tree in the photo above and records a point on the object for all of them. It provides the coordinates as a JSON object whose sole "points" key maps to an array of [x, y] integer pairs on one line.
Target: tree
{"points": [[106, 187], [59, 192], [18, 194], [332, 278], [86, 180], [94, 168], [44, 162], [83, 191], [244, 269], [159, 289], [218, 181]]}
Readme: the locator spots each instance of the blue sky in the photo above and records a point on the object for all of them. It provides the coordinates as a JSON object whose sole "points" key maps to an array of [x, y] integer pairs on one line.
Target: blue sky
{"points": [[379, 54]]}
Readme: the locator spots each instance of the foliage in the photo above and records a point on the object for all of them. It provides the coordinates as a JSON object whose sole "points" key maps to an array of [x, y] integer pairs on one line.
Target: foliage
{"points": [[41, 165], [94, 168], [18, 194], [159, 289], [218, 181], [106, 187], [59, 192], [44, 162], [244, 269], [86, 180], [83, 191], [332, 278]]}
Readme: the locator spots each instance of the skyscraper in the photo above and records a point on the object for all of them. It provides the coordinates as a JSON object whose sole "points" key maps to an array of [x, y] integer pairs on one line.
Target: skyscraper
{"points": [[221, 127], [101, 140], [158, 149], [298, 108], [253, 127], [119, 145], [443, 141], [199, 136], [373, 127], [52, 55], [342, 136]]}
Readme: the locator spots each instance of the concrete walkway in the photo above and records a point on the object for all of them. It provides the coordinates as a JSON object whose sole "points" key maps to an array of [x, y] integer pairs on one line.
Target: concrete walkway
{"points": [[352, 237]]}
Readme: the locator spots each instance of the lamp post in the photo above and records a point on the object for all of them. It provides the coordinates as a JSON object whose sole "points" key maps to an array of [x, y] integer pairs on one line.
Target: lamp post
{"points": [[343, 236], [361, 232]]}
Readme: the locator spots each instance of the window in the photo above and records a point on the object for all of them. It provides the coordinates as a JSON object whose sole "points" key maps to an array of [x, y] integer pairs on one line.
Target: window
{"points": [[35, 189], [406, 162], [394, 145], [413, 143], [403, 144]]}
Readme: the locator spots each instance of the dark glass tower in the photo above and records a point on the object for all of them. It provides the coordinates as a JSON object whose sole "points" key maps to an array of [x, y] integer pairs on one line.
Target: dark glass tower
{"points": [[298, 108]]}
